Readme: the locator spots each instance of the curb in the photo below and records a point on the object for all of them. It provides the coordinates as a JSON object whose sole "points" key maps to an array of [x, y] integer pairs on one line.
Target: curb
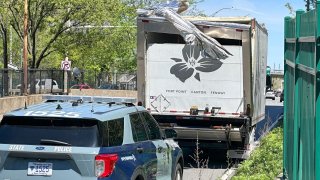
{"points": [[279, 177], [228, 174]]}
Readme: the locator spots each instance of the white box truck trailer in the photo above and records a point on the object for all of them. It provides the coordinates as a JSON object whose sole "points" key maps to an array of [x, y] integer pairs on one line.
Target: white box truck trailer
{"points": [[216, 101]]}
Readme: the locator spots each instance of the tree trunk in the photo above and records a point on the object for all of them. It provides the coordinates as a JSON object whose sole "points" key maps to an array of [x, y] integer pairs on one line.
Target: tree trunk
{"points": [[5, 76], [32, 81]]}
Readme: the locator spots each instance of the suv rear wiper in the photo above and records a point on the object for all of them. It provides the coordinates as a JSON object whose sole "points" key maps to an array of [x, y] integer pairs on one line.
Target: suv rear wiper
{"points": [[53, 142]]}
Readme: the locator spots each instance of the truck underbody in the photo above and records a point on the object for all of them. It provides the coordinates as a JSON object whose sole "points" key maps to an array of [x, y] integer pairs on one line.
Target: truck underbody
{"points": [[215, 132]]}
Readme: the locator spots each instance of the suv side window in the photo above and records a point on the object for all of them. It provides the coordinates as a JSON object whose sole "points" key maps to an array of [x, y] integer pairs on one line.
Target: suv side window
{"points": [[153, 129], [113, 132], [138, 130]]}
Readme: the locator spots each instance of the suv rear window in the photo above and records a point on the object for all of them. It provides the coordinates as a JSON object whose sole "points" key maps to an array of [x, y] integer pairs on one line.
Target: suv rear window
{"points": [[112, 131], [49, 131]]}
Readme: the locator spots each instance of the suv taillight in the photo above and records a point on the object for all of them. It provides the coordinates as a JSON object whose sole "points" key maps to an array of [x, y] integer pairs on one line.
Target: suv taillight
{"points": [[104, 164]]}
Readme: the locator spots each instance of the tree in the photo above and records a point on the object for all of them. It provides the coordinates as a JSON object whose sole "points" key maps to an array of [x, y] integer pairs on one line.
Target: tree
{"points": [[79, 29], [107, 47], [310, 4], [4, 30], [49, 19], [289, 7]]}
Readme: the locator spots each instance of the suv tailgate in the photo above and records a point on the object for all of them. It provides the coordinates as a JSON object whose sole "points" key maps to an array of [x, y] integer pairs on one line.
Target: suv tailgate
{"points": [[55, 148]]}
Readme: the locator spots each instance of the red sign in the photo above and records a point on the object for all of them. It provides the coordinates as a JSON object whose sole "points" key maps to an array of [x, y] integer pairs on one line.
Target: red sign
{"points": [[66, 65]]}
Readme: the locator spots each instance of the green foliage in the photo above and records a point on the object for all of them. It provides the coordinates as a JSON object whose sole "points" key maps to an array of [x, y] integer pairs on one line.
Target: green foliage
{"points": [[101, 48], [266, 161], [310, 4], [56, 29]]}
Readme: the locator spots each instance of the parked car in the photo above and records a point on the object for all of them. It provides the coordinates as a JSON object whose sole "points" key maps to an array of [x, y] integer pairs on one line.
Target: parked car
{"points": [[108, 86], [282, 96], [82, 137], [278, 92], [43, 84], [270, 95], [80, 86]]}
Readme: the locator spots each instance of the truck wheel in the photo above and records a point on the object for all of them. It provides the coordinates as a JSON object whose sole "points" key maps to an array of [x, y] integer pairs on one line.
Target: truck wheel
{"points": [[178, 173]]}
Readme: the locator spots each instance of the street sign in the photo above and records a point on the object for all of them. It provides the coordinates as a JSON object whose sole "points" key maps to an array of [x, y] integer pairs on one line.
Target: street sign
{"points": [[268, 70], [66, 65]]}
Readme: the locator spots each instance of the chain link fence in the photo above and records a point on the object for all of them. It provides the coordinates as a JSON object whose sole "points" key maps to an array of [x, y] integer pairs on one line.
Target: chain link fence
{"points": [[42, 81]]}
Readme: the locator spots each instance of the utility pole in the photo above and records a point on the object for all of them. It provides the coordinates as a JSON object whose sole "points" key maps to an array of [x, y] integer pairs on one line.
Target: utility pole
{"points": [[25, 48]]}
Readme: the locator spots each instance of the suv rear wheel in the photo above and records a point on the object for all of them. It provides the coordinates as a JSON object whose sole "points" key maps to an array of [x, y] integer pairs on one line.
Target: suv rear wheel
{"points": [[138, 175]]}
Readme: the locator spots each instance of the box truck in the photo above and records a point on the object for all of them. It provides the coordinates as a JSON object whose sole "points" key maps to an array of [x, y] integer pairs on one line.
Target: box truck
{"points": [[217, 101]]}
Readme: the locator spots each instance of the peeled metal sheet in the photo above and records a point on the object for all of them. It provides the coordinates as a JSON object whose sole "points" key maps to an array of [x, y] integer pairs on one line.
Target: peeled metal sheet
{"points": [[221, 24], [191, 34]]}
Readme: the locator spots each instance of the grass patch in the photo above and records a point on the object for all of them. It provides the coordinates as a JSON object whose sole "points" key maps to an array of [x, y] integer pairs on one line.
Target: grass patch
{"points": [[266, 161]]}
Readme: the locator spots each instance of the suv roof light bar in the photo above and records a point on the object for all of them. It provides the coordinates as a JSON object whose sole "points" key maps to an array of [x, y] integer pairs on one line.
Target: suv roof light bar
{"points": [[89, 99]]}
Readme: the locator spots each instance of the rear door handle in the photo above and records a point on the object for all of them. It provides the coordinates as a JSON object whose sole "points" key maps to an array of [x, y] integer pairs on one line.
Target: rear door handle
{"points": [[140, 149]]}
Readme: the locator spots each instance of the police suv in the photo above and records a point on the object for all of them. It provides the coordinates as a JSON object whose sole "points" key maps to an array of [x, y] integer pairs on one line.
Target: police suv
{"points": [[82, 137]]}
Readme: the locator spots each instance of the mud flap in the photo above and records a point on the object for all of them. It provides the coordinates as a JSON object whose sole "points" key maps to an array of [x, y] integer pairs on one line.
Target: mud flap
{"points": [[243, 153]]}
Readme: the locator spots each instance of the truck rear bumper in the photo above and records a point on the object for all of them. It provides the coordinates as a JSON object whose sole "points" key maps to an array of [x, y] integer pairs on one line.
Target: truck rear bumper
{"points": [[233, 135]]}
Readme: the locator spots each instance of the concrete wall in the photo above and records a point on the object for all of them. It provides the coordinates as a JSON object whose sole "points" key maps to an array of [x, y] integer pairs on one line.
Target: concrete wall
{"points": [[8, 104], [101, 92]]}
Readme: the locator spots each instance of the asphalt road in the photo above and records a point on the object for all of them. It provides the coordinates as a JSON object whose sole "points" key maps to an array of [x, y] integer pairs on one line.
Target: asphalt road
{"points": [[217, 165], [203, 174], [276, 102], [274, 111]]}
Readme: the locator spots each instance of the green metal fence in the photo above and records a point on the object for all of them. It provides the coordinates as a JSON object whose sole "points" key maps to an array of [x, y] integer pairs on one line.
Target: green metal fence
{"points": [[301, 98]]}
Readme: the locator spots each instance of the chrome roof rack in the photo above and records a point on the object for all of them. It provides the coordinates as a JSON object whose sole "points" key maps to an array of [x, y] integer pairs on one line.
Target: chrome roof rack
{"points": [[97, 99]]}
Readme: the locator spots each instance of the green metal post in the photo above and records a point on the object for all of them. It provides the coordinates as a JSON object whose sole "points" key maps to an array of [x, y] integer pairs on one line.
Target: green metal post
{"points": [[296, 131], [285, 123], [317, 95]]}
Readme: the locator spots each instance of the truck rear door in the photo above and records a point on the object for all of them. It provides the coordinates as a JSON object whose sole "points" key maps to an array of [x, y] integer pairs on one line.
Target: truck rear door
{"points": [[179, 76]]}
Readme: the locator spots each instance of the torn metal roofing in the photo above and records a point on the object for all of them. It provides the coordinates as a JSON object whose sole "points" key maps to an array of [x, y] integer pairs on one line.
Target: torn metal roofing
{"points": [[191, 34]]}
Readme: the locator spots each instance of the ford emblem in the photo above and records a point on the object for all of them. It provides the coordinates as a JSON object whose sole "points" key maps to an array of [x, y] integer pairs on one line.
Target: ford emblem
{"points": [[40, 148]]}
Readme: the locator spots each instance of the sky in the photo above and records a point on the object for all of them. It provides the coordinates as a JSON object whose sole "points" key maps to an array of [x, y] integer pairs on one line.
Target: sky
{"points": [[269, 12]]}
